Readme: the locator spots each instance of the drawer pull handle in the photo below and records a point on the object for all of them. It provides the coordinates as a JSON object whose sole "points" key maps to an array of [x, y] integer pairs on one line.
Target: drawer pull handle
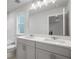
{"points": [[24, 47]]}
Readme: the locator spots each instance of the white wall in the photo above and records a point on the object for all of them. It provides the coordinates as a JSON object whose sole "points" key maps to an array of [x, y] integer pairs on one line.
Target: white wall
{"points": [[11, 27], [12, 22], [39, 23]]}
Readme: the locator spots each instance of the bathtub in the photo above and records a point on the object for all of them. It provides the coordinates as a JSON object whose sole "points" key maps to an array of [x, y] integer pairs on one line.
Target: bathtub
{"points": [[11, 49]]}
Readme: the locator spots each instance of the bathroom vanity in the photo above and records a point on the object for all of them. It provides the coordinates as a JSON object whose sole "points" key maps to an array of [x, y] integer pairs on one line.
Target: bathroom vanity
{"points": [[42, 48]]}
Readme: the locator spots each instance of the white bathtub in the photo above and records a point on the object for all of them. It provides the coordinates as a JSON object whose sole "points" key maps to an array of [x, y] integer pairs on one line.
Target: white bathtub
{"points": [[11, 49]]}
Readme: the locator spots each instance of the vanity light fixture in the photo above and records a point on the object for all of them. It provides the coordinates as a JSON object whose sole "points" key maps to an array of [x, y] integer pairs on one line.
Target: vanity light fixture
{"points": [[45, 2], [41, 3], [33, 6], [53, 1]]}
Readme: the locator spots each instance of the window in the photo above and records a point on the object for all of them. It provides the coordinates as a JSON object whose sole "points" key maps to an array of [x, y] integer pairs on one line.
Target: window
{"points": [[20, 24]]}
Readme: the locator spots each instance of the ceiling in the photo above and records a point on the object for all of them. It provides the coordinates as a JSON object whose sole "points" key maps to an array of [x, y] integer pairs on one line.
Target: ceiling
{"points": [[12, 5]]}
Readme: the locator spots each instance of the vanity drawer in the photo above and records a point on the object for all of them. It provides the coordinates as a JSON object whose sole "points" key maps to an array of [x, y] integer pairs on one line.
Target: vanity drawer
{"points": [[54, 48], [27, 42]]}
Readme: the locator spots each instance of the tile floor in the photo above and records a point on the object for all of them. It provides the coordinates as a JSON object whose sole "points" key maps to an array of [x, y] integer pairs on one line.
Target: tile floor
{"points": [[14, 57]]}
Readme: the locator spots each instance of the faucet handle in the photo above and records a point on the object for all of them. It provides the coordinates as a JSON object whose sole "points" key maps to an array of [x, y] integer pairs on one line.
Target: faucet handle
{"points": [[53, 38]]}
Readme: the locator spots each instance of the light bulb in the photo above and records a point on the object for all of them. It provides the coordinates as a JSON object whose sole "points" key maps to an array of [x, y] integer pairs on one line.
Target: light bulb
{"points": [[53, 1], [33, 6], [45, 2], [39, 4]]}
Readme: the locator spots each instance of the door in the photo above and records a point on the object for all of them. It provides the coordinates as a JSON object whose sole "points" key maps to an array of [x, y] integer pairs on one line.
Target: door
{"points": [[25, 52], [42, 54]]}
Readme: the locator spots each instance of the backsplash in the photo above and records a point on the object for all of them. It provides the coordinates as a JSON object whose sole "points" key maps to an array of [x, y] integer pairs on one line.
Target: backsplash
{"points": [[49, 36]]}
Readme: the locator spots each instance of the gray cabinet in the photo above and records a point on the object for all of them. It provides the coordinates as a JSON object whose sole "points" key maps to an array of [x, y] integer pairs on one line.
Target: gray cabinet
{"points": [[25, 51], [43, 54], [64, 51]]}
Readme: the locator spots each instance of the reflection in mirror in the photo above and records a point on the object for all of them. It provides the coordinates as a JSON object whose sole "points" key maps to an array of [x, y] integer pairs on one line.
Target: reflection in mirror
{"points": [[52, 19], [56, 25]]}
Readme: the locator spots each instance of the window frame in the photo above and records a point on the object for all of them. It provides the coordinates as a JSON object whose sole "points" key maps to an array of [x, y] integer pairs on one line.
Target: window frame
{"points": [[17, 24]]}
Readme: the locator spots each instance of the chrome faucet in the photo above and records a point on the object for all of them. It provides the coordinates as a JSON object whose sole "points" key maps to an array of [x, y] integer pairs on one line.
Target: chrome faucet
{"points": [[31, 35], [53, 38]]}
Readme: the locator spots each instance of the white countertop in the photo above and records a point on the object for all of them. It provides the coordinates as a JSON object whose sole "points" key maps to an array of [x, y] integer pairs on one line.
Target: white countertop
{"points": [[42, 40]]}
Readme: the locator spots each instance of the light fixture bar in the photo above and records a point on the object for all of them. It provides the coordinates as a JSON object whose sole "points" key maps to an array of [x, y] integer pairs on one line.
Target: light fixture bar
{"points": [[40, 3]]}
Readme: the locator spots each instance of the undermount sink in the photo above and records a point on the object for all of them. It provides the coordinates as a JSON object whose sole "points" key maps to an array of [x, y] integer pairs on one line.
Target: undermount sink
{"points": [[58, 40]]}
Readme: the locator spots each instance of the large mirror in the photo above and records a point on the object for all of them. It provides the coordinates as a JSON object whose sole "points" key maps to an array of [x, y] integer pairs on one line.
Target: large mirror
{"points": [[51, 19]]}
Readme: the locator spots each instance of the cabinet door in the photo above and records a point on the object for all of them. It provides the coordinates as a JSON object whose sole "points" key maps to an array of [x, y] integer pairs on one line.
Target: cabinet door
{"points": [[42, 54], [20, 51], [61, 57], [30, 52], [25, 52]]}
